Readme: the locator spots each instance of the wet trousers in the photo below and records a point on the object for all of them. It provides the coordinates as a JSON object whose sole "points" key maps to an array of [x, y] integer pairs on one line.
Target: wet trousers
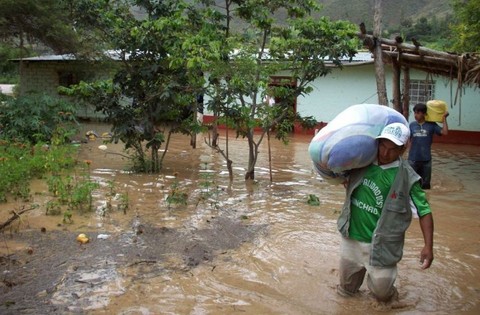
{"points": [[355, 264], [424, 170]]}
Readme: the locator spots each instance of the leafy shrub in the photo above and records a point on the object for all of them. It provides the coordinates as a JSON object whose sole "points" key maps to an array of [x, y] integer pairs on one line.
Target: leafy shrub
{"points": [[37, 118], [20, 163]]}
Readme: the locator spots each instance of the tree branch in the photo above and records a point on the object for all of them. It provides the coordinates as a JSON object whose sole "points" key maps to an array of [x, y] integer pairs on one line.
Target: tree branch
{"points": [[15, 216]]}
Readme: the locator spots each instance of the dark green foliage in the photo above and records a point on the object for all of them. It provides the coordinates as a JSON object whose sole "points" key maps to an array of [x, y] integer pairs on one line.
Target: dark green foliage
{"points": [[393, 12], [14, 180], [29, 28], [72, 191], [20, 163], [466, 27], [154, 94], [8, 69], [313, 200], [298, 45], [37, 118], [433, 32], [30, 21]]}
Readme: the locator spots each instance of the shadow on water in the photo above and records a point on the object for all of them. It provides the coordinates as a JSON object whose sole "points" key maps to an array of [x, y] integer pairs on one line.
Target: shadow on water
{"points": [[255, 248]]}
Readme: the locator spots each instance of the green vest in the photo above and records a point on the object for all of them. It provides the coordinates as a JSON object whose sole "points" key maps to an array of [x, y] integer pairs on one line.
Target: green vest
{"points": [[389, 235]]}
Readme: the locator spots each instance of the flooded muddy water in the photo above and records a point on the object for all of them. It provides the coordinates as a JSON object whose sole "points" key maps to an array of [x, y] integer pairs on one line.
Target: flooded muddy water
{"points": [[249, 248]]}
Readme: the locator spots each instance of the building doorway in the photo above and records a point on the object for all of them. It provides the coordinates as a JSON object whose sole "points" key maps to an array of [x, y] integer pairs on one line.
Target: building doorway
{"points": [[283, 82]]}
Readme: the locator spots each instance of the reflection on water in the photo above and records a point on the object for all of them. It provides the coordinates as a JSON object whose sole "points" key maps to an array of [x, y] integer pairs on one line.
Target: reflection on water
{"points": [[290, 267]]}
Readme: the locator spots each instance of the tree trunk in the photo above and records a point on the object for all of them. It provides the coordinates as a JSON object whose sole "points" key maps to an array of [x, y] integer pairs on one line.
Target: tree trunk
{"points": [[250, 174], [379, 67], [215, 132], [396, 86], [154, 158], [167, 143], [406, 92], [227, 154], [269, 156], [193, 135]]}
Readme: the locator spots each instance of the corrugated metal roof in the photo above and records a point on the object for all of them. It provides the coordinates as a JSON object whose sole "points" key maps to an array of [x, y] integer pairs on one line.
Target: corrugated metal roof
{"points": [[360, 57], [48, 58], [365, 56], [112, 54]]}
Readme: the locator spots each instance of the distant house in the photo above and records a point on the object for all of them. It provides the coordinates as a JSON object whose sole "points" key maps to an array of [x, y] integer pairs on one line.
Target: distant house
{"points": [[7, 89], [45, 74], [354, 84]]}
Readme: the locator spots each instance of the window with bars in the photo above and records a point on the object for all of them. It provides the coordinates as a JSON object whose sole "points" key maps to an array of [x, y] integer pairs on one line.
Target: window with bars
{"points": [[71, 77], [421, 91]]}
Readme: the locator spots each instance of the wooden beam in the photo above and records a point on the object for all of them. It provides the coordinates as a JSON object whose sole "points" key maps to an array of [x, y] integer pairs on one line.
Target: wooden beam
{"points": [[422, 59], [396, 85], [462, 67], [406, 92], [419, 50]]}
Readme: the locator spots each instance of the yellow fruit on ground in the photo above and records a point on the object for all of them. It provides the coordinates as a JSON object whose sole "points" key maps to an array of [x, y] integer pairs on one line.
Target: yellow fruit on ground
{"points": [[82, 238]]}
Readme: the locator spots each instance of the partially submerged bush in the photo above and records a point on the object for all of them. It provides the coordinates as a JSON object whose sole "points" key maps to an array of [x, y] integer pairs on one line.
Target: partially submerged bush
{"points": [[37, 118], [20, 163]]}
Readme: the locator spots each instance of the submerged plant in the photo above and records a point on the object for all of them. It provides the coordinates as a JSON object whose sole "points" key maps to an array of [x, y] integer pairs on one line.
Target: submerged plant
{"points": [[313, 200], [67, 217], [209, 191], [82, 198], [176, 195], [22, 162], [71, 190], [37, 119], [123, 202], [53, 207]]}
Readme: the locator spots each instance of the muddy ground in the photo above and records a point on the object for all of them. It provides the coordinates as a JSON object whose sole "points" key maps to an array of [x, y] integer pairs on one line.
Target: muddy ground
{"points": [[54, 274]]}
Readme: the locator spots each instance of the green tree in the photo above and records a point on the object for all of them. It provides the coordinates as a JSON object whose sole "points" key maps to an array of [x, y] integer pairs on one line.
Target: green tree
{"points": [[29, 28], [299, 46], [431, 32], [58, 26], [26, 23], [168, 55], [153, 94], [8, 70], [466, 29]]}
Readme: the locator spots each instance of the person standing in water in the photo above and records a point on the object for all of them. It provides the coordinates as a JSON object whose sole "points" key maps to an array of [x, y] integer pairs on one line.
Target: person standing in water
{"points": [[421, 134], [381, 200]]}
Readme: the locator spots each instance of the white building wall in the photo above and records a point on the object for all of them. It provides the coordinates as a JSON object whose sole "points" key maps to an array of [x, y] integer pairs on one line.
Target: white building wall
{"points": [[337, 91], [464, 113], [356, 85]]}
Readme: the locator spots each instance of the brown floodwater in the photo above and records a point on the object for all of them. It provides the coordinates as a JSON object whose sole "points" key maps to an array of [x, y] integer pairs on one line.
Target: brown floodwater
{"points": [[289, 265]]}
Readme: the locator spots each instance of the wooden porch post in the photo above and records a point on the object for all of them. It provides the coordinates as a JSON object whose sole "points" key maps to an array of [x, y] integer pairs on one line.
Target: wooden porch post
{"points": [[396, 85], [406, 92], [377, 52]]}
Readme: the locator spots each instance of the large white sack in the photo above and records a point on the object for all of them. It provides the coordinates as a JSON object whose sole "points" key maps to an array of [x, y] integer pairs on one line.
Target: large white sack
{"points": [[349, 140]]}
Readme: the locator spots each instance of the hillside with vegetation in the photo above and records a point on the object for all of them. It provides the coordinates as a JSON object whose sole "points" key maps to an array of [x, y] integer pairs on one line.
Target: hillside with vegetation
{"points": [[428, 21], [393, 12], [27, 28]]}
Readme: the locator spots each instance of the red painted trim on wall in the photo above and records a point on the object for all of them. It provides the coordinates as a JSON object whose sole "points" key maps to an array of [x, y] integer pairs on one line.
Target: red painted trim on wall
{"points": [[459, 137], [207, 119], [453, 137]]}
